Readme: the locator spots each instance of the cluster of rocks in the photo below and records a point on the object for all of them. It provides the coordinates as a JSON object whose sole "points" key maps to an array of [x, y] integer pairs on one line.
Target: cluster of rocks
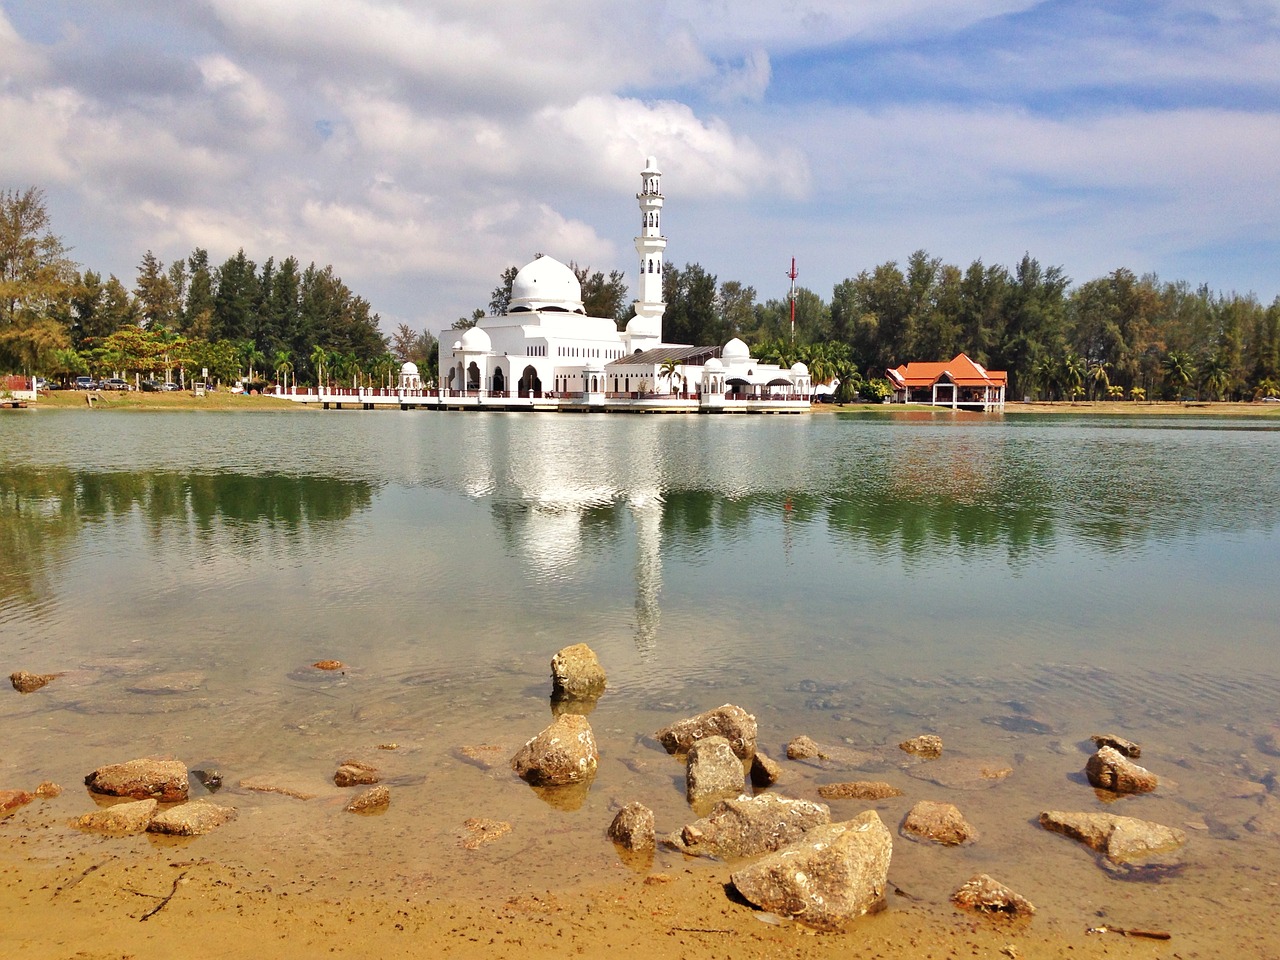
{"points": [[145, 784]]}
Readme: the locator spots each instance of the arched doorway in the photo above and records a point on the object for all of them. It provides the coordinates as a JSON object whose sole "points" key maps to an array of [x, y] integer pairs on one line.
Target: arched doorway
{"points": [[530, 385], [499, 381], [473, 376]]}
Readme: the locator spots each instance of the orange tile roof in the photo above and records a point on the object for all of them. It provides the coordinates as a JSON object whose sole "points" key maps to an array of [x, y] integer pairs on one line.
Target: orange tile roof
{"points": [[962, 371]]}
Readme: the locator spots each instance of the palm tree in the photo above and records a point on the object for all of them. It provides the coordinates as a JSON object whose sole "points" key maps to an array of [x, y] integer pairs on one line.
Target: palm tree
{"points": [[284, 367], [1097, 376], [670, 371], [319, 360], [1073, 374], [1215, 377], [1178, 369]]}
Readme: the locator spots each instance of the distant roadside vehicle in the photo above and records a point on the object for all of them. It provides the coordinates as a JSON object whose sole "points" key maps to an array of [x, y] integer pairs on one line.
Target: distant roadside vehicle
{"points": [[151, 386], [115, 383], [170, 387], [1271, 399], [86, 383]]}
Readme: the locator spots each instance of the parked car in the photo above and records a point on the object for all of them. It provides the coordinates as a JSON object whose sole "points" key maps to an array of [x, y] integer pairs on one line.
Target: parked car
{"points": [[170, 387], [86, 383], [151, 386], [114, 383]]}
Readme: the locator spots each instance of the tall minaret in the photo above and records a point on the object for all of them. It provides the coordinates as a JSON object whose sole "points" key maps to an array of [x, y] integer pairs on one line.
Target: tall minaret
{"points": [[650, 244]]}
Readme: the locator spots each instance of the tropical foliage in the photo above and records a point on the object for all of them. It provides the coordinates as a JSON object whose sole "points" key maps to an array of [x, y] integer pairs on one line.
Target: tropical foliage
{"points": [[235, 320]]}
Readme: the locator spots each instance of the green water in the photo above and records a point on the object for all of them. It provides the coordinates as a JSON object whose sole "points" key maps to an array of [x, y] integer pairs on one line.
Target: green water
{"points": [[857, 579]]}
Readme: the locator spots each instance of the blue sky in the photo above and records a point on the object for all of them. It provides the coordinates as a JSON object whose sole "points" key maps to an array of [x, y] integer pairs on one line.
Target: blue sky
{"points": [[422, 146]]}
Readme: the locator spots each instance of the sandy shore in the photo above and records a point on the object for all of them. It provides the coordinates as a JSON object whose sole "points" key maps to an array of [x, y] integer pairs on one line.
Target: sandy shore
{"points": [[174, 903]]}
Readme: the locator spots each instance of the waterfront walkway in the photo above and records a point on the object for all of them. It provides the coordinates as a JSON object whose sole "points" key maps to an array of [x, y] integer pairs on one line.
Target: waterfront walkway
{"points": [[362, 398]]}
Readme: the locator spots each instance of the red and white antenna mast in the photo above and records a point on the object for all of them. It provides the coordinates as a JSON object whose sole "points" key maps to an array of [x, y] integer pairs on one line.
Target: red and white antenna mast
{"points": [[793, 274]]}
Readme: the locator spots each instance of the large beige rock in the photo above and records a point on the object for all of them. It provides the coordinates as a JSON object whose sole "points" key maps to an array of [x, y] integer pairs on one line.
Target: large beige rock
{"points": [[563, 753], [132, 816], [834, 874], [632, 829], [1119, 839], [191, 819], [712, 772], [750, 826], [576, 674], [163, 780], [728, 721], [1109, 769], [938, 822]]}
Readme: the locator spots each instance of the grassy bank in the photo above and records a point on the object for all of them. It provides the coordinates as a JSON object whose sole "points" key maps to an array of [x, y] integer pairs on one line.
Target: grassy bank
{"points": [[1107, 408], [136, 400]]}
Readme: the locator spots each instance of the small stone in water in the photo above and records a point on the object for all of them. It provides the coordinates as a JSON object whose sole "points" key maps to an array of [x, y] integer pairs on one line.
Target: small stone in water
{"points": [[329, 665]]}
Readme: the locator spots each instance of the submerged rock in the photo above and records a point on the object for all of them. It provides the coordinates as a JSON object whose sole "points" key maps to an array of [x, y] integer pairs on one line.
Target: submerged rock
{"points": [[712, 771], [354, 773], [858, 790], [267, 785], [479, 831], [938, 822], [750, 826], [835, 873], [1109, 769], [375, 798], [563, 753], [728, 721], [132, 816], [926, 745], [486, 756], [961, 773], [826, 755], [576, 674], [982, 894], [1126, 747], [633, 828], [13, 799], [25, 682], [161, 684], [1119, 839], [163, 780], [192, 819]]}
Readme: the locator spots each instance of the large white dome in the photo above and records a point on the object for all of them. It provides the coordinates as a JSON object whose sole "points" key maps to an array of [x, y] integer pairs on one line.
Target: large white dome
{"points": [[476, 340], [735, 349], [410, 369], [546, 284]]}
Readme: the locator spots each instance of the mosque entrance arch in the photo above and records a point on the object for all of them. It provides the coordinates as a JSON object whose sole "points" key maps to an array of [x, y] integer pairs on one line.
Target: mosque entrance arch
{"points": [[530, 385], [499, 381], [473, 376]]}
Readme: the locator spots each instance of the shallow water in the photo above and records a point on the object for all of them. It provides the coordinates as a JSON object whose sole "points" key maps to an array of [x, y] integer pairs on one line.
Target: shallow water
{"points": [[1012, 584]]}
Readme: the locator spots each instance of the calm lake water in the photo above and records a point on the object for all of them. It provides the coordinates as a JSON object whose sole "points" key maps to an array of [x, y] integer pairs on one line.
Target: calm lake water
{"points": [[1013, 584]]}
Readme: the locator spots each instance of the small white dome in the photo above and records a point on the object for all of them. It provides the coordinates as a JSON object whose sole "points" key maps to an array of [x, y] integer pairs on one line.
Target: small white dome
{"points": [[546, 284], [476, 340], [714, 365], [457, 345], [409, 369], [735, 349], [799, 369]]}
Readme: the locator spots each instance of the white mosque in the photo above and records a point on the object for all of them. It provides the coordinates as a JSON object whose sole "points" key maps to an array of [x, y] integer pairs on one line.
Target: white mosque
{"points": [[546, 353]]}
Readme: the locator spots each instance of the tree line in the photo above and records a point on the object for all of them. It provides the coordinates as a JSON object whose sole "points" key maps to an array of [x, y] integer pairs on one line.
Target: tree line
{"points": [[1120, 335], [238, 319], [1117, 336]]}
